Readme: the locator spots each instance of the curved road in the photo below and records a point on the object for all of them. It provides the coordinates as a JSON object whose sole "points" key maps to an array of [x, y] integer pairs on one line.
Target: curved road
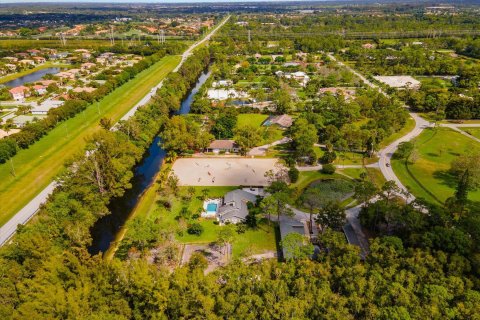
{"points": [[27, 212]]}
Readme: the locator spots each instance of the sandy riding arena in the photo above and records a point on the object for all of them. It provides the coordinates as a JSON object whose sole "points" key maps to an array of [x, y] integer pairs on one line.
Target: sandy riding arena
{"points": [[223, 171]]}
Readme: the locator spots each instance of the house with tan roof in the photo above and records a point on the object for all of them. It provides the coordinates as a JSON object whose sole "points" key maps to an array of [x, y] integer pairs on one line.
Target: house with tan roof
{"points": [[218, 146], [19, 93]]}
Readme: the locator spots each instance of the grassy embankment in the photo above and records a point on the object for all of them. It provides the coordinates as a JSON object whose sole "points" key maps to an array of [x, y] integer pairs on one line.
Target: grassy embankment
{"points": [[428, 177], [46, 65], [38, 165]]}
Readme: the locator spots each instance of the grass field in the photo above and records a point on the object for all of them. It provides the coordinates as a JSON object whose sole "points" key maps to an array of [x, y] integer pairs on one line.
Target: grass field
{"points": [[38, 165], [269, 134], [29, 71], [474, 131], [428, 177]]}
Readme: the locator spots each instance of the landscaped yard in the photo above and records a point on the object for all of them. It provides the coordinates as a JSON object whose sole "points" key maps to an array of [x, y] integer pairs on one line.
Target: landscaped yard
{"points": [[250, 242], [346, 158], [38, 165], [428, 177], [269, 134]]}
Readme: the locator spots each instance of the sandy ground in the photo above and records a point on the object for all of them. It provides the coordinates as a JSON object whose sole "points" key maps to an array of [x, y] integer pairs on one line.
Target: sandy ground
{"points": [[223, 171], [216, 257], [4, 133]]}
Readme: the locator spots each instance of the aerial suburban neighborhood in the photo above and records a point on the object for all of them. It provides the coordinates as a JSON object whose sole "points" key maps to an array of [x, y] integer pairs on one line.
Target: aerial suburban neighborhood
{"points": [[240, 160]]}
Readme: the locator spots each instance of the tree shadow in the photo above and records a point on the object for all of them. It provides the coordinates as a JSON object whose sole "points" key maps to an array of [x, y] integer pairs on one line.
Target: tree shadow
{"points": [[446, 178], [433, 154]]}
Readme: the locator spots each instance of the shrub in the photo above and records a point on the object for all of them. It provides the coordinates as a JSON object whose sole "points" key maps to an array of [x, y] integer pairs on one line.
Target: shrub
{"points": [[328, 168], [328, 157], [293, 174], [195, 228]]}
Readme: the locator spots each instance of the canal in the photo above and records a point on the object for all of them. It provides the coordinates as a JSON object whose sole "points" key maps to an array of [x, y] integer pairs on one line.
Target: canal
{"points": [[106, 228], [31, 77]]}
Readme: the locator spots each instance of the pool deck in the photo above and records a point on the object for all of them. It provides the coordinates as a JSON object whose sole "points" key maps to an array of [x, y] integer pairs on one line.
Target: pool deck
{"points": [[224, 171]]}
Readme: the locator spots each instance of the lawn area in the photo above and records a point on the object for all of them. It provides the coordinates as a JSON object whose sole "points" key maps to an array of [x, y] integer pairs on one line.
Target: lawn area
{"points": [[409, 126], [346, 158], [38, 165], [28, 71], [474, 131], [374, 175], [250, 242], [428, 177], [269, 134]]}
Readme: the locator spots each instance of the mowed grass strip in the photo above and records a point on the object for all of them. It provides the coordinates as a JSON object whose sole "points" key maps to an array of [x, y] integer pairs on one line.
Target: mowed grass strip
{"points": [[37, 166], [437, 148]]}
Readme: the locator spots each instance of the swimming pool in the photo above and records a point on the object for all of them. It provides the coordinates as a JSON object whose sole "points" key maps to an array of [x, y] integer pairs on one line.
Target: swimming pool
{"points": [[211, 207]]}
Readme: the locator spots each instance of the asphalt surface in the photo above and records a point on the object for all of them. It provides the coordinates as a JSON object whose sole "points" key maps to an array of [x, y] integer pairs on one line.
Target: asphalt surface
{"points": [[27, 212]]}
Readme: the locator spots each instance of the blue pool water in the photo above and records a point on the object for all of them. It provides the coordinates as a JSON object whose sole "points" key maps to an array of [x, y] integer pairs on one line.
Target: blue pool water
{"points": [[212, 207]]}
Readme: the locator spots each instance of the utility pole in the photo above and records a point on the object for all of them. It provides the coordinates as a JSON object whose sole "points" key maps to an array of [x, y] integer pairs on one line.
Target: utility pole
{"points": [[249, 36], [112, 39]]}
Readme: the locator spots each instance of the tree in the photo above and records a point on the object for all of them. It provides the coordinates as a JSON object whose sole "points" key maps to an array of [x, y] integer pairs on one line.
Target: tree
{"points": [[296, 247], [469, 161], [312, 201], [195, 229], [304, 135], [328, 168], [247, 137], [332, 216], [198, 261], [225, 236], [282, 100], [364, 190], [404, 150]]}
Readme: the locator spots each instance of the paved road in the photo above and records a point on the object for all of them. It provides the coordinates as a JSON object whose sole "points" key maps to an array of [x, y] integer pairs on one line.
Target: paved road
{"points": [[457, 127], [262, 150], [27, 212]]}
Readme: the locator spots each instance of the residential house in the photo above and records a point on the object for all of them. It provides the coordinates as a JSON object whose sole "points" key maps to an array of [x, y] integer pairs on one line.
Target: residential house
{"points": [[19, 93], [218, 146], [284, 121], [45, 106], [234, 207], [34, 52], [39, 89], [27, 62], [39, 60], [290, 225], [11, 67], [10, 59]]}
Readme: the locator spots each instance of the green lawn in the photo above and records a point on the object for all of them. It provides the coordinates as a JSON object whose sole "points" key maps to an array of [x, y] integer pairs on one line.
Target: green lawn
{"points": [[374, 174], [346, 158], [38, 165], [269, 134], [428, 177], [474, 131], [28, 71]]}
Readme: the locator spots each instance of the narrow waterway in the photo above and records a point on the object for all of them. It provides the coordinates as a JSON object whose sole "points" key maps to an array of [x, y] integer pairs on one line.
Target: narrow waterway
{"points": [[105, 229], [31, 77]]}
